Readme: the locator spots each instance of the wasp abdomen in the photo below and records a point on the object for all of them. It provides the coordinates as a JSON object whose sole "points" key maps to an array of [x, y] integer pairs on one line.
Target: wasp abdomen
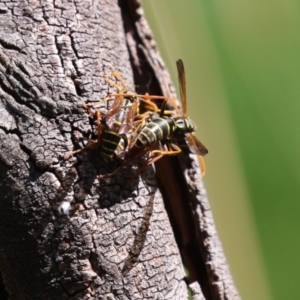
{"points": [[109, 143], [156, 130]]}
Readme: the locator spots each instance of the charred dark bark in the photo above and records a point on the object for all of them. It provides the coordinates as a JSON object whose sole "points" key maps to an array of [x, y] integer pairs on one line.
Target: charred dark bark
{"points": [[64, 233]]}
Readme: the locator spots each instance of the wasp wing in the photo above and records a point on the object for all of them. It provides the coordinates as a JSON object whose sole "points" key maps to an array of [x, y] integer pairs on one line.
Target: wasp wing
{"points": [[182, 85], [111, 114], [128, 123], [195, 145]]}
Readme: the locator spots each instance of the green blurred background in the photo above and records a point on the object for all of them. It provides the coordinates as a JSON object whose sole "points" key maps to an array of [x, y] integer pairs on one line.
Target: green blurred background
{"points": [[242, 60]]}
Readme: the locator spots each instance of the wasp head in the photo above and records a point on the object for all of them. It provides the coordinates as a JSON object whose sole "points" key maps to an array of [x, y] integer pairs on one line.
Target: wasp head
{"points": [[184, 126]]}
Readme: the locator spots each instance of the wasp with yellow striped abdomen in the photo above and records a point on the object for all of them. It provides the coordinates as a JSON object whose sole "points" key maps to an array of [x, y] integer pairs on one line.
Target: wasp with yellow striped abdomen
{"points": [[112, 126], [161, 134]]}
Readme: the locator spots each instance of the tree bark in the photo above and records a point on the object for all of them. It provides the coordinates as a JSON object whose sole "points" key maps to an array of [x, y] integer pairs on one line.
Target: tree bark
{"points": [[64, 233]]}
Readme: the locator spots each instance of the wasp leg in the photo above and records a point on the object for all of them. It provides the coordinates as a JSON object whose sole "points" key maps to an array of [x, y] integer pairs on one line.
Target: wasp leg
{"points": [[90, 143], [147, 105], [70, 154], [88, 106], [125, 163], [174, 149], [146, 96], [202, 164], [155, 156], [113, 172]]}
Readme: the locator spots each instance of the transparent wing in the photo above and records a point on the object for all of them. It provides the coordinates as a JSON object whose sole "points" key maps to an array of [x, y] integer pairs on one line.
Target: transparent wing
{"points": [[182, 85], [195, 145], [110, 116], [128, 123]]}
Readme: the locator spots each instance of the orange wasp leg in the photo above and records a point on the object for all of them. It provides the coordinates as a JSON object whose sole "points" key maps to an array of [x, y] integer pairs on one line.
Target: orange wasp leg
{"points": [[155, 156], [203, 165], [88, 106], [70, 154], [98, 114], [176, 150]]}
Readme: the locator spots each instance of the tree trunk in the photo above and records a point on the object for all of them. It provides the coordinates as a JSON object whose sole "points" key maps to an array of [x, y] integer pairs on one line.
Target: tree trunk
{"points": [[65, 234]]}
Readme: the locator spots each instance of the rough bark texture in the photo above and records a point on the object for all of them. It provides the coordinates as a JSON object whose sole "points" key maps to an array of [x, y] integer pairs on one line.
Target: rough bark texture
{"points": [[64, 233]]}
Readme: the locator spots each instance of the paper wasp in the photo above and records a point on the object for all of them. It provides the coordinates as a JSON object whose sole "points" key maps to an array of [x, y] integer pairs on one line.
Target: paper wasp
{"points": [[166, 131], [112, 125]]}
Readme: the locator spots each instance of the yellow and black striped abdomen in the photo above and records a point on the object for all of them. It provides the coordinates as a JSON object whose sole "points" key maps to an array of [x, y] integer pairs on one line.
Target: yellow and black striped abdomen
{"points": [[156, 130], [110, 142]]}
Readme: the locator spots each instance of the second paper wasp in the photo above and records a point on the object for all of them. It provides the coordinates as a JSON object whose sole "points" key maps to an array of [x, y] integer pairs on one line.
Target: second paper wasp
{"points": [[112, 125]]}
